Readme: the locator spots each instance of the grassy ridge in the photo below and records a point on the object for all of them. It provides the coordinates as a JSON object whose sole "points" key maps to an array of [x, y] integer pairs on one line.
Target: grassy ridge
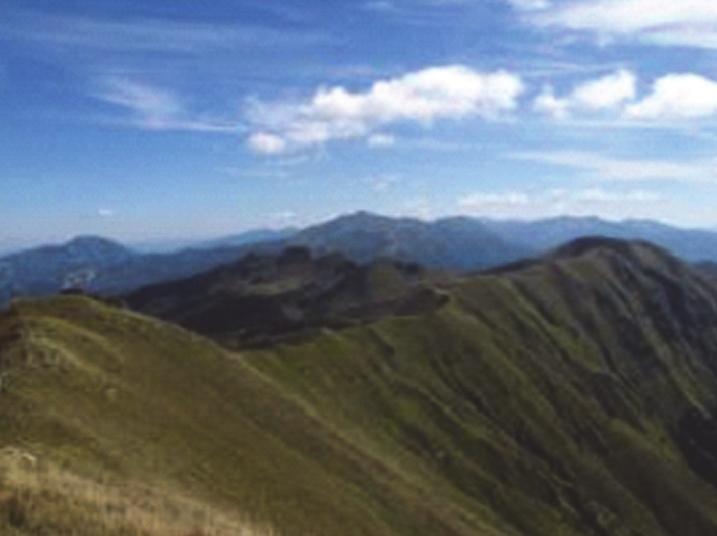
{"points": [[569, 397], [554, 395], [98, 391]]}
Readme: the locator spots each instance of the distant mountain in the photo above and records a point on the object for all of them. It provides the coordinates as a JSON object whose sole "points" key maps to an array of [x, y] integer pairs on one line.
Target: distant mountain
{"points": [[573, 395], [265, 297], [454, 244], [693, 245], [47, 269], [239, 239], [457, 244], [249, 237], [106, 267]]}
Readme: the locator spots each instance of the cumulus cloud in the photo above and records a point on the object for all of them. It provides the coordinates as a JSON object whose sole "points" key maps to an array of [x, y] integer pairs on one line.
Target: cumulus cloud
{"points": [[691, 23], [672, 97], [608, 92], [423, 97], [678, 96]]}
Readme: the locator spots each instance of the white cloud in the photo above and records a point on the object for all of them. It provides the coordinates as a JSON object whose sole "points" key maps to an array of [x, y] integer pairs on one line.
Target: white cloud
{"points": [[381, 141], [690, 23], [105, 213], [530, 5], [600, 195], [154, 108], [265, 143], [547, 103], [678, 96], [423, 97], [608, 92], [382, 183], [673, 97], [560, 201], [491, 201], [597, 166]]}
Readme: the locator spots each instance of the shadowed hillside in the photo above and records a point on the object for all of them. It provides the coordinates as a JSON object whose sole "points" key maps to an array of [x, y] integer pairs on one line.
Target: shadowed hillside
{"points": [[574, 395], [264, 298]]}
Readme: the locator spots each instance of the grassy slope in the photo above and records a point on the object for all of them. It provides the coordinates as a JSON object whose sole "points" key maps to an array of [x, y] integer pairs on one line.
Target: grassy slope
{"points": [[554, 395], [110, 397], [558, 399]]}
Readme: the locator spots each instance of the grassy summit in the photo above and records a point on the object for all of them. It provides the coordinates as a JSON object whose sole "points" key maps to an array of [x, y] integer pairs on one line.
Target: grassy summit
{"points": [[570, 396]]}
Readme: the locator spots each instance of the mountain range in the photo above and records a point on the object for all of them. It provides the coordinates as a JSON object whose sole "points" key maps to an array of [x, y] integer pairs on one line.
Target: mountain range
{"points": [[455, 244], [571, 394]]}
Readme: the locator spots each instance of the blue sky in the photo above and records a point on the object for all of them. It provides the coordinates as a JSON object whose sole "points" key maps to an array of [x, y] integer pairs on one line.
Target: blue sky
{"points": [[180, 119]]}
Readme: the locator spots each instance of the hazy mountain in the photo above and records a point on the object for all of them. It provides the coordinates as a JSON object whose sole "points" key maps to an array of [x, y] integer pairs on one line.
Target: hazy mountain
{"points": [[574, 394], [102, 266], [239, 239], [691, 244], [457, 244], [47, 269], [249, 237]]}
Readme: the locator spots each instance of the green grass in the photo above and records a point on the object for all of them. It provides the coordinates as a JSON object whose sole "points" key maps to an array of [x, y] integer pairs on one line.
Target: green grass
{"points": [[100, 391], [551, 401]]}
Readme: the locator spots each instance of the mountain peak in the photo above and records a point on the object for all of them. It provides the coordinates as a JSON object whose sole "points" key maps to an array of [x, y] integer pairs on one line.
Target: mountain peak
{"points": [[589, 244], [93, 241]]}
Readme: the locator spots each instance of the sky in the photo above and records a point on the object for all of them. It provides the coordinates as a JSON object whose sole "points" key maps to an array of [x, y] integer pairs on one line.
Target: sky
{"points": [[178, 119]]}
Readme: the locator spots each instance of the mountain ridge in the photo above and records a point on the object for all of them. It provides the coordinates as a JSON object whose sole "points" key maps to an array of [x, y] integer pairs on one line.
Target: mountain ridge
{"points": [[575, 396], [457, 243]]}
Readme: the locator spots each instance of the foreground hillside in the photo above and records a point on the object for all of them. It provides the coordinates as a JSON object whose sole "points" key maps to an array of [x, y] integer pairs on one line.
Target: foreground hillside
{"points": [[574, 395], [112, 423]]}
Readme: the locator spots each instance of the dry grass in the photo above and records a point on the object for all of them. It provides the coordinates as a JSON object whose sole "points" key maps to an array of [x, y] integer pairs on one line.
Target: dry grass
{"points": [[40, 498]]}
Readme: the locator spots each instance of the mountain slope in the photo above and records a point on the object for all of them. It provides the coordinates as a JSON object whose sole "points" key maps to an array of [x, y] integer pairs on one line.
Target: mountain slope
{"points": [[571, 395], [125, 404], [263, 298]]}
